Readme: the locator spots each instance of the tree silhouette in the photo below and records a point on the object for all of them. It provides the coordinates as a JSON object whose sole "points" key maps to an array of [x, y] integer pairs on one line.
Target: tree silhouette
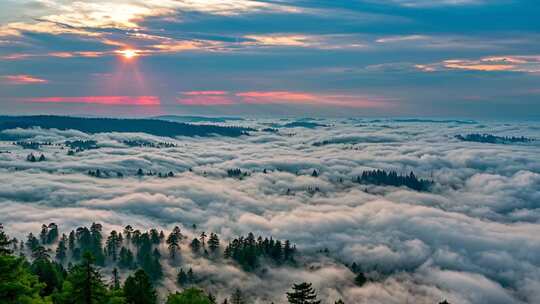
{"points": [[302, 293]]}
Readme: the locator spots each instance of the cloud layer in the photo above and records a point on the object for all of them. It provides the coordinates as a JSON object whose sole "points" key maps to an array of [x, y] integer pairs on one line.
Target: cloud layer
{"points": [[470, 240]]}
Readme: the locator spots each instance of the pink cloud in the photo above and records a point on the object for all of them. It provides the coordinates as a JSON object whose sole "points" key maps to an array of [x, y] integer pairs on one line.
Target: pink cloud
{"points": [[22, 79], [205, 100], [103, 100], [204, 93], [356, 101]]}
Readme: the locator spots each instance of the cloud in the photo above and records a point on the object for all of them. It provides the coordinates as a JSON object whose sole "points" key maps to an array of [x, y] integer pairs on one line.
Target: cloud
{"points": [[523, 64], [430, 3], [457, 242], [22, 79], [103, 100]]}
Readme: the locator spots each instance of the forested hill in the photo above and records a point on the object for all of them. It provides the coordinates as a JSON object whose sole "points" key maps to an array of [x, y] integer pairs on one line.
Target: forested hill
{"points": [[103, 125]]}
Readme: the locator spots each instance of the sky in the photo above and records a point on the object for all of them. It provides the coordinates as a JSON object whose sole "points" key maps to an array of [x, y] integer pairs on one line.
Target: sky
{"points": [[436, 58]]}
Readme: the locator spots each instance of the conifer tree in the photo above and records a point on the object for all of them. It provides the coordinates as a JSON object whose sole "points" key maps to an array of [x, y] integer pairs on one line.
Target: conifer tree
{"points": [[237, 297], [302, 293], [138, 289]]}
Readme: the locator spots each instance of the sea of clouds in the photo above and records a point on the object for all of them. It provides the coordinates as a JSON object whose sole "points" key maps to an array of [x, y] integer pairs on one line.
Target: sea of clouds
{"points": [[475, 238]]}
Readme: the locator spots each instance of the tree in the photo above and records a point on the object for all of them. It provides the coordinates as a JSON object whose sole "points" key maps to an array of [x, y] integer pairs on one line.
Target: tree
{"points": [[213, 243], [203, 239], [315, 173], [195, 245], [182, 277], [139, 290], [115, 280], [340, 301], [61, 249], [189, 296], [49, 273], [302, 293], [172, 244], [360, 279], [112, 244], [126, 258], [237, 297], [4, 242], [84, 284], [17, 283]]}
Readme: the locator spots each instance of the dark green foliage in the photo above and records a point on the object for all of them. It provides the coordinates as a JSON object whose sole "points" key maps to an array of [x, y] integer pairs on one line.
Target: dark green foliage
{"points": [[247, 251], [189, 296], [213, 243], [17, 284], [101, 125], [493, 139], [126, 258], [61, 249], [302, 293], [360, 279], [89, 240], [84, 284], [184, 278], [237, 297], [139, 290], [4, 242], [115, 281], [81, 145], [340, 301], [381, 177], [236, 173], [147, 257], [32, 242], [195, 246], [49, 273], [112, 245], [173, 241]]}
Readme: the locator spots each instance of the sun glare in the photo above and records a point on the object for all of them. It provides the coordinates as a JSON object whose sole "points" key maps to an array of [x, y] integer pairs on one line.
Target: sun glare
{"points": [[128, 54]]}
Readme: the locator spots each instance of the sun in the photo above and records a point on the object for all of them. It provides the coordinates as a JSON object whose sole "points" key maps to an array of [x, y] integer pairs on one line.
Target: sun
{"points": [[128, 53]]}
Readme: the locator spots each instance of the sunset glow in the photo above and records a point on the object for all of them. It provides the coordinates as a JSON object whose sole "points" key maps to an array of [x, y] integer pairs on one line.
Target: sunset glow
{"points": [[128, 53]]}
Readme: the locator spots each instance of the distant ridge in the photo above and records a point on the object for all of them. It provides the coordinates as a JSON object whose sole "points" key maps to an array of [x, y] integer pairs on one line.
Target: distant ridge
{"points": [[178, 118], [103, 125]]}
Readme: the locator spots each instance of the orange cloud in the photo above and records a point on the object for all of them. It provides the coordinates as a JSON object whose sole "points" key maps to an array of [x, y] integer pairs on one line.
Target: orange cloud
{"points": [[22, 79], [103, 100]]}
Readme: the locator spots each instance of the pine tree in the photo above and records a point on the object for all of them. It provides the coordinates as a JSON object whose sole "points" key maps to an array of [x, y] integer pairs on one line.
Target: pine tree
{"points": [[182, 278], [138, 289], [213, 243], [61, 249], [4, 242], [360, 279], [237, 297], [302, 293], [203, 239], [86, 285], [195, 246], [115, 280]]}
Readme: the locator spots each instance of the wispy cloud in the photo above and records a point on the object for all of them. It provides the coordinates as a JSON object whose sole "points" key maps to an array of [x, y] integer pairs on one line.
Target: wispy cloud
{"points": [[22, 79], [211, 98], [102, 100], [524, 64]]}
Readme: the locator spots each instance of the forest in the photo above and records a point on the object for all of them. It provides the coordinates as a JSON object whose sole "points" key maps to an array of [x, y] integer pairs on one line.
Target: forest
{"points": [[101, 125], [493, 139], [69, 269]]}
